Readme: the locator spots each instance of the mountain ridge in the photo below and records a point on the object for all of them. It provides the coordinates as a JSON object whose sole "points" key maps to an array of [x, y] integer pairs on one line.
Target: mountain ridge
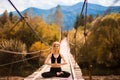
{"points": [[71, 12]]}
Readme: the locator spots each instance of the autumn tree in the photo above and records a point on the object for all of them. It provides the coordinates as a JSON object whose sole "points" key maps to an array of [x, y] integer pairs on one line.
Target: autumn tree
{"points": [[104, 42], [97, 15], [4, 17], [90, 18]]}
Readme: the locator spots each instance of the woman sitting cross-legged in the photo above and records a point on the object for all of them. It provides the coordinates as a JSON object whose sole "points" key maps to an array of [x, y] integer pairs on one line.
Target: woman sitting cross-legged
{"points": [[55, 57]]}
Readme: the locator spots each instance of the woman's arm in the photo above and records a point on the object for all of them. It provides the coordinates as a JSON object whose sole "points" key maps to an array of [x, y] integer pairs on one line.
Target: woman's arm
{"points": [[64, 61], [47, 60]]}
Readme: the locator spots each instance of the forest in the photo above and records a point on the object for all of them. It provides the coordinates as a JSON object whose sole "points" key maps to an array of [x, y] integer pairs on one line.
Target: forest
{"points": [[17, 36], [99, 48]]}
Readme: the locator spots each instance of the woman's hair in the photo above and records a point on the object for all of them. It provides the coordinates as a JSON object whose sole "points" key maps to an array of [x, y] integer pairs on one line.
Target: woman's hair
{"points": [[54, 44]]}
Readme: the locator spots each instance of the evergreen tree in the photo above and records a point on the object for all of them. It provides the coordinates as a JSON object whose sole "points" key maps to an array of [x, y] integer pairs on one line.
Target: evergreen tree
{"points": [[90, 18], [79, 21], [11, 17]]}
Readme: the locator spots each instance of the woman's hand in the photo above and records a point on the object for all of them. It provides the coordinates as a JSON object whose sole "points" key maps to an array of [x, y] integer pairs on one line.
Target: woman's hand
{"points": [[55, 65]]}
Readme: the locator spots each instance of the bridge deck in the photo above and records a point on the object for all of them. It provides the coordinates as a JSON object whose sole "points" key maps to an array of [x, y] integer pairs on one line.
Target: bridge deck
{"points": [[75, 72]]}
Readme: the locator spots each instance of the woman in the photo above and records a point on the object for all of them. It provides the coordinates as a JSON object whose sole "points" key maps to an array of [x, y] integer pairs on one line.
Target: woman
{"points": [[55, 57]]}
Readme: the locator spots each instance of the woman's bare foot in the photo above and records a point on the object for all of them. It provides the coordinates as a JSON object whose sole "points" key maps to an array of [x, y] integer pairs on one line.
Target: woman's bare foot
{"points": [[59, 73]]}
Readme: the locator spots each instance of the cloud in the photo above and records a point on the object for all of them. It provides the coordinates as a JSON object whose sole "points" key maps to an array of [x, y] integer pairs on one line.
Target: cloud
{"points": [[46, 4], [4, 5], [43, 4], [106, 2]]}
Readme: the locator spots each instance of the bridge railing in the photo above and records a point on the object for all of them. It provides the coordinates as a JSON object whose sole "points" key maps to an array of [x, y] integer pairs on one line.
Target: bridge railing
{"points": [[14, 66]]}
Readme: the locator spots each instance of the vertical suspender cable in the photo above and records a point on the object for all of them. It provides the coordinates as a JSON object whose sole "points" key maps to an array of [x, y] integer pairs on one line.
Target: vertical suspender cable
{"points": [[85, 35], [75, 34], [80, 17]]}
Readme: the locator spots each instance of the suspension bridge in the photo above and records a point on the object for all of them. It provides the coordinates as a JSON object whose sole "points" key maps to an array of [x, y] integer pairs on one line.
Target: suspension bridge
{"points": [[71, 66]]}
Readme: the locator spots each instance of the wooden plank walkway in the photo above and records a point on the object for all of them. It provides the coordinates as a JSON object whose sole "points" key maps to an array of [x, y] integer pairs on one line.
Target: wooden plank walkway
{"points": [[71, 67]]}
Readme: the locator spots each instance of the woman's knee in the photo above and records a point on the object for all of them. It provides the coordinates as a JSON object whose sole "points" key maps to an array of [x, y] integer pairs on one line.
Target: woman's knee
{"points": [[44, 75], [65, 74], [47, 74]]}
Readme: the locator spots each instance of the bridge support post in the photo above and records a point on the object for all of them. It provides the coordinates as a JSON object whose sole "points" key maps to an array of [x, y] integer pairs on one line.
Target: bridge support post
{"points": [[90, 72]]}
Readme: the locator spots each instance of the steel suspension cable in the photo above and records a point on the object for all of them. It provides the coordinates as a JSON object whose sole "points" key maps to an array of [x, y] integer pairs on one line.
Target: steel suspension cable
{"points": [[13, 52], [28, 23], [108, 10], [91, 28], [14, 25], [85, 34], [18, 53], [18, 61], [80, 17], [75, 34]]}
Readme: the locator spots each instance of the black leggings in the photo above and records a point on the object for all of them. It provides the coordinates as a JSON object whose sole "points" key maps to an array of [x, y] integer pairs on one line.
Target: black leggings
{"points": [[53, 73]]}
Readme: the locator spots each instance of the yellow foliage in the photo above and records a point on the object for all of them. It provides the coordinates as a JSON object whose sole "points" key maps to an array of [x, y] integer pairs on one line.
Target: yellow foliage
{"points": [[114, 16], [38, 46]]}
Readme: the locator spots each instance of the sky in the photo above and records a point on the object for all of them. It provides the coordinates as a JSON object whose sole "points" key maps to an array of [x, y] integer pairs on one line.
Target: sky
{"points": [[47, 4]]}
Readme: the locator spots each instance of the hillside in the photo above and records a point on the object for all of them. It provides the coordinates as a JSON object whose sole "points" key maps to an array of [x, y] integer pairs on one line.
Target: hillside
{"points": [[70, 12]]}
